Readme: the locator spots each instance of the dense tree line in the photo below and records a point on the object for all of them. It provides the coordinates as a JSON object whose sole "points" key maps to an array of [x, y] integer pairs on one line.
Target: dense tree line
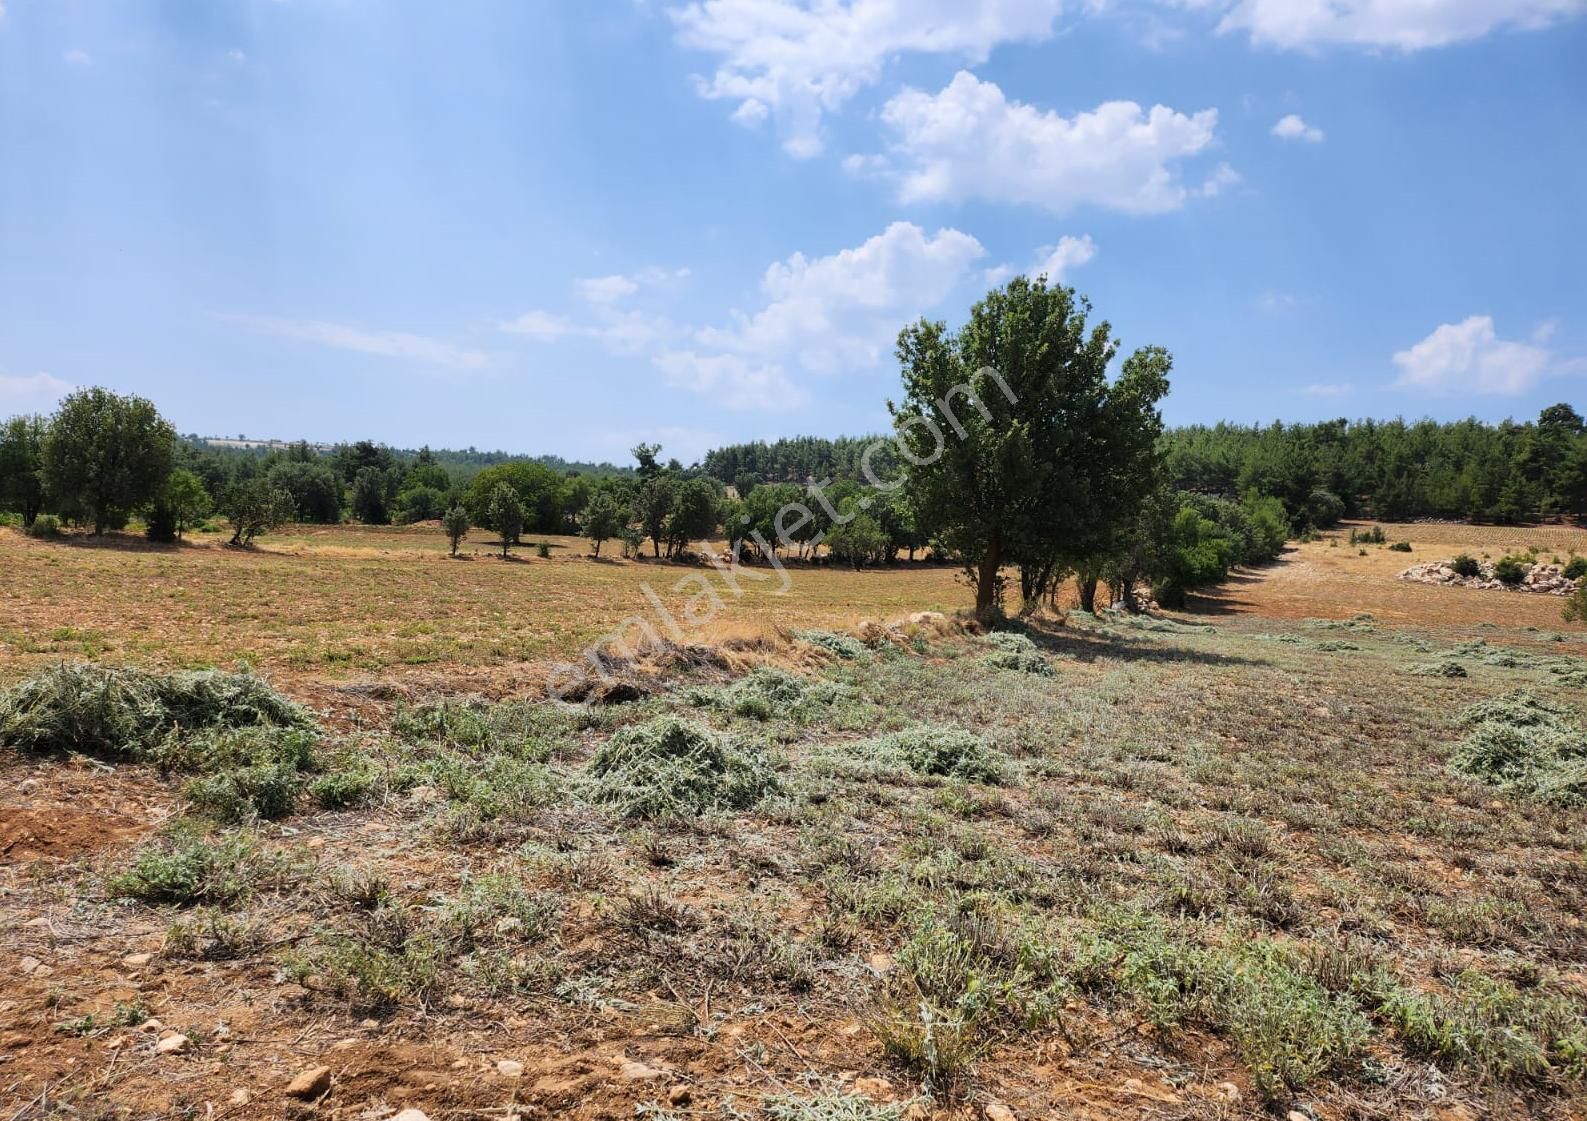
{"points": [[1394, 469]]}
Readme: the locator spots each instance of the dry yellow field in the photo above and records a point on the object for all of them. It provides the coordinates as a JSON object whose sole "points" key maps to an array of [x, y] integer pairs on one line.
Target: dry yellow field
{"points": [[351, 601]]}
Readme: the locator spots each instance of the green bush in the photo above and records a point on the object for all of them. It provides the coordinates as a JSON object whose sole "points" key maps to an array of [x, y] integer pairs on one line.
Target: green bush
{"points": [[1575, 568], [671, 768], [1467, 566], [1400, 547], [45, 525], [1511, 570]]}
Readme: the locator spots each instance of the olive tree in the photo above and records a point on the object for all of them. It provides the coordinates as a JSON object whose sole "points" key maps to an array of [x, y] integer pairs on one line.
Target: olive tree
{"points": [[106, 455], [255, 507]]}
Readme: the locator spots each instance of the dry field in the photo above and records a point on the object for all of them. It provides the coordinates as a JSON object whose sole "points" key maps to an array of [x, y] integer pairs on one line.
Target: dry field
{"points": [[1218, 864]]}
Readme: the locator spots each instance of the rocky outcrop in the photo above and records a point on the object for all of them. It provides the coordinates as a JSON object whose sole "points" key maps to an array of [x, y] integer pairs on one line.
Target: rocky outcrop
{"points": [[1541, 579]]}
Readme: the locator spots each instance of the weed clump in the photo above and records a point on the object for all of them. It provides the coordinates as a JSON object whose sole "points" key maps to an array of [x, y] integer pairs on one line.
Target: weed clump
{"points": [[1013, 651], [1441, 669], [672, 768], [124, 713], [1527, 746], [188, 868]]}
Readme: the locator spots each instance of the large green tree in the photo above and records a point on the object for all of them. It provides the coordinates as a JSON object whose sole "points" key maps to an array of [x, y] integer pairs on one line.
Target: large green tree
{"points": [[1020, 451], [22, 466], [107, 455]]}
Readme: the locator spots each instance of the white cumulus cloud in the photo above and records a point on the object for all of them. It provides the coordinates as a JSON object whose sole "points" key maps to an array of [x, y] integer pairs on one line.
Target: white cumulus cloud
{"points": [[1406, 25], [31, 393], [796, 60], [818, 315], [1294, 127], [1470, 357], [969, 141]]}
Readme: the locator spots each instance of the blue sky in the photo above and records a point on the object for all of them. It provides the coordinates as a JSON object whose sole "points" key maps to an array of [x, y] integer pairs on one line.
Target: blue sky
{"points": [[567, 227]]}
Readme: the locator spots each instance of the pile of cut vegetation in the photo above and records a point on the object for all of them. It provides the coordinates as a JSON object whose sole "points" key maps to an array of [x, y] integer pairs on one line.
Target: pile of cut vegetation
{"points": [[935, 751], [1525, 745], [1015, 651], [671, 768], [766, 693], [249, 751], [125, 712]]}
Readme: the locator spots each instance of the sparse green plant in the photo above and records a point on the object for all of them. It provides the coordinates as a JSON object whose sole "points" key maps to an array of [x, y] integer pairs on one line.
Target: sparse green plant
{"points": [[1467, 566]]}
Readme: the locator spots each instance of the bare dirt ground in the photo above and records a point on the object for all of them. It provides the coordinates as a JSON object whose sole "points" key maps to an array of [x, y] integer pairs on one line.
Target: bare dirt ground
{"points": [[1214, 846], [1330, 579]]}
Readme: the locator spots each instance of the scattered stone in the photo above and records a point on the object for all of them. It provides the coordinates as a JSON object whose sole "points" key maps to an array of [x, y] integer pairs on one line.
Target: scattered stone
{"points": [[639, 1072], [239, 1097], [997, 1111], [1228, 1091], [509, 1068], [174, 1044], [28, 785], [369, 1025], [679, 1095], [310, 1084], [29, 964], [1297, 1115], [137, 961], [412, 1115], [877, 1089], [151, 1024]]}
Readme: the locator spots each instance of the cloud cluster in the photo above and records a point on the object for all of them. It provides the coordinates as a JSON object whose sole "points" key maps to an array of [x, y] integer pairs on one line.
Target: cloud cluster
{"points": [[819, 315], [1406, 25], [969, 141], [1294, 127], [795, 60], [1470, 357]]}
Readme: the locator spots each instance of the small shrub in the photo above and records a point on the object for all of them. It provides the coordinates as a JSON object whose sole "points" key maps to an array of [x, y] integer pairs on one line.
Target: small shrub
{"points": [[1467, 566], [671, 768], [543, 550], [343, 789], [244, 793], [1401, 547], [44, 526], [1441, 669], [186, 868], [1575, 568], [1511, 570]]}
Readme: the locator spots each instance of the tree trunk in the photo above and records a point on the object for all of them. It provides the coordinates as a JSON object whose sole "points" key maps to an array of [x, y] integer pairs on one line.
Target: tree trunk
{"points": [[986, 585], [597, 550], [1088, 594]]}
